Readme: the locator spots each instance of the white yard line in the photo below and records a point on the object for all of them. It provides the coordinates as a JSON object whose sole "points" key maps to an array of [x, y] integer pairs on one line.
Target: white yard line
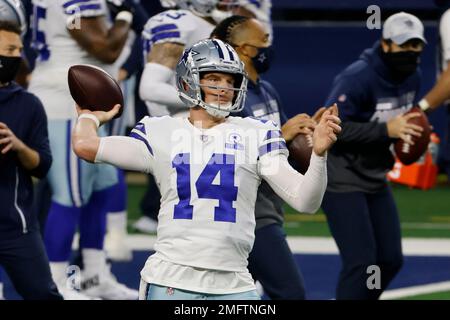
{"points": [[320, 245], [416, 290]]}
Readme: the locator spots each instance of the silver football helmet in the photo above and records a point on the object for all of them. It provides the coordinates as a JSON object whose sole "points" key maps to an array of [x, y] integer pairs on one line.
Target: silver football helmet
{"points": [[210, 55], [14, 11], [216, 9]]}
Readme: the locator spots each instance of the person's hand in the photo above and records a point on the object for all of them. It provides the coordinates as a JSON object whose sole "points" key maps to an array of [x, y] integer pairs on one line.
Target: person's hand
{"points": [[102, 116], [325, 133], [301, 123], [399, 127], [116, 6], [318, 114], [8, 140]]}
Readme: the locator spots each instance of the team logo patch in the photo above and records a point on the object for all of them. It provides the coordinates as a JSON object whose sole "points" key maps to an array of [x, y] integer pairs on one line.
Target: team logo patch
{"points": [[233, 142]]}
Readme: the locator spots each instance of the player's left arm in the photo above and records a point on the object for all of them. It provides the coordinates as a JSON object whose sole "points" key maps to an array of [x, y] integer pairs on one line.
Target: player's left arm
{"points": [[439, 93], [303, 192]]}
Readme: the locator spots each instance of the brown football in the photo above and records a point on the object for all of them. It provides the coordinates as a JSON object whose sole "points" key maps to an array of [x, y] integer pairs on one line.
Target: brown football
{"points": [[300, 150], [94, 89], [407, 153]]}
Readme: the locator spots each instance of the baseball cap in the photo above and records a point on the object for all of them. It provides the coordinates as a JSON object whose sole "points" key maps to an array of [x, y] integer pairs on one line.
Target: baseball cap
{"points": [[401, 27]]}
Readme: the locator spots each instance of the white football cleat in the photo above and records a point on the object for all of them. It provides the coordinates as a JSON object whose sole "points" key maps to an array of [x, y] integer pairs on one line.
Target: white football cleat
{"points": [[105, 286], [71, 294], [146, 225], [116, 247]]}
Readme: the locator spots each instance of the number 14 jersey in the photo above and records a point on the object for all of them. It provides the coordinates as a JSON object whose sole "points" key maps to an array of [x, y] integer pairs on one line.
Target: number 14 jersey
{"points": [[208, 180]]}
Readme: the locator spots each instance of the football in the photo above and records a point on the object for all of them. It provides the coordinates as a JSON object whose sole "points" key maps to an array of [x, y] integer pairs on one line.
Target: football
{"points": [[300, 150], [407, 153], [94, 89]]}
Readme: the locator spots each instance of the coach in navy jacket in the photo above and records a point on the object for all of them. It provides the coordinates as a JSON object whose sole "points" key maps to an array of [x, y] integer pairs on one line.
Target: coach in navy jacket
{"points": [[23, 115], [372, 94], [24, 153]]}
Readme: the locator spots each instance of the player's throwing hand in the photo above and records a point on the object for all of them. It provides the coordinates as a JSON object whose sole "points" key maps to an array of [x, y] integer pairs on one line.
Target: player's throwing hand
{"points": [[102, 116]]}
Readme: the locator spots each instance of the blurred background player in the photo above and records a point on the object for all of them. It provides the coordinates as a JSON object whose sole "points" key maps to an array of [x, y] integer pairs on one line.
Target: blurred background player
{"points": [[258, 9], [129, 62], [373, 93], [202, 248], [165, 36], [250, 39], [24, 152], [440, 93], [66, 33]]}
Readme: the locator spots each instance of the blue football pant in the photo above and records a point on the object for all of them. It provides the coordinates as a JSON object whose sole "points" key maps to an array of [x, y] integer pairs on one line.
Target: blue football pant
{"points": [[271, 263], [366, 229], [26, 263]]}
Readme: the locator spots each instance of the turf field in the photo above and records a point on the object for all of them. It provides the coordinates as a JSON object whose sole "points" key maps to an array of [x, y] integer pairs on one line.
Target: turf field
{"points": [[425, 221]]}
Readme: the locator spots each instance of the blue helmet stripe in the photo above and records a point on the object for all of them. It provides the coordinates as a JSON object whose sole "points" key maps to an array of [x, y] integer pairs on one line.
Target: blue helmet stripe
{"points": [[219, 49]]}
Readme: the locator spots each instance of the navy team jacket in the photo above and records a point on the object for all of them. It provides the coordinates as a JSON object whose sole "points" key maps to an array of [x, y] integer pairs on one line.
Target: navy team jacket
{"points": [[24, 114], [368, 95]]}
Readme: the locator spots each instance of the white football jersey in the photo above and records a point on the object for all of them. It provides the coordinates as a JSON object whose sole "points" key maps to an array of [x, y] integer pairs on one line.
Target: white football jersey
{"points": [[208, 179], [57, 50]]}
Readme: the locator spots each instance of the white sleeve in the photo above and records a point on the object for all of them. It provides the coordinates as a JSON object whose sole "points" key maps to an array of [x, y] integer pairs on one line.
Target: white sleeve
{"points": [[304, 193], [444, 30], [125, 152], [157, 86]]}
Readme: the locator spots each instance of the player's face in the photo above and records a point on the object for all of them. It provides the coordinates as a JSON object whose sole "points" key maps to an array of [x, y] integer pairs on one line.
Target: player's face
{"points": [[218, 87], [256, 37], [10, 44]]}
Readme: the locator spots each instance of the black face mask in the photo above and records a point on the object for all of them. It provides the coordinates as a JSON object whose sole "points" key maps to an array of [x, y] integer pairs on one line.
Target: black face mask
{"points": [[403, 63], [263, 59], [9, 66]]}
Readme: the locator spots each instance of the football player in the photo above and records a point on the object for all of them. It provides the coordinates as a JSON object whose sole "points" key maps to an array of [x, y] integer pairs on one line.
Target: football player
{"points": [[68, 32], [208, 168]]}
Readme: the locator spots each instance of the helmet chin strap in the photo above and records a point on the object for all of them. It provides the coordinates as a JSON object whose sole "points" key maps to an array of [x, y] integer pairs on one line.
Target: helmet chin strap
{"points": [[216, 112]]}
